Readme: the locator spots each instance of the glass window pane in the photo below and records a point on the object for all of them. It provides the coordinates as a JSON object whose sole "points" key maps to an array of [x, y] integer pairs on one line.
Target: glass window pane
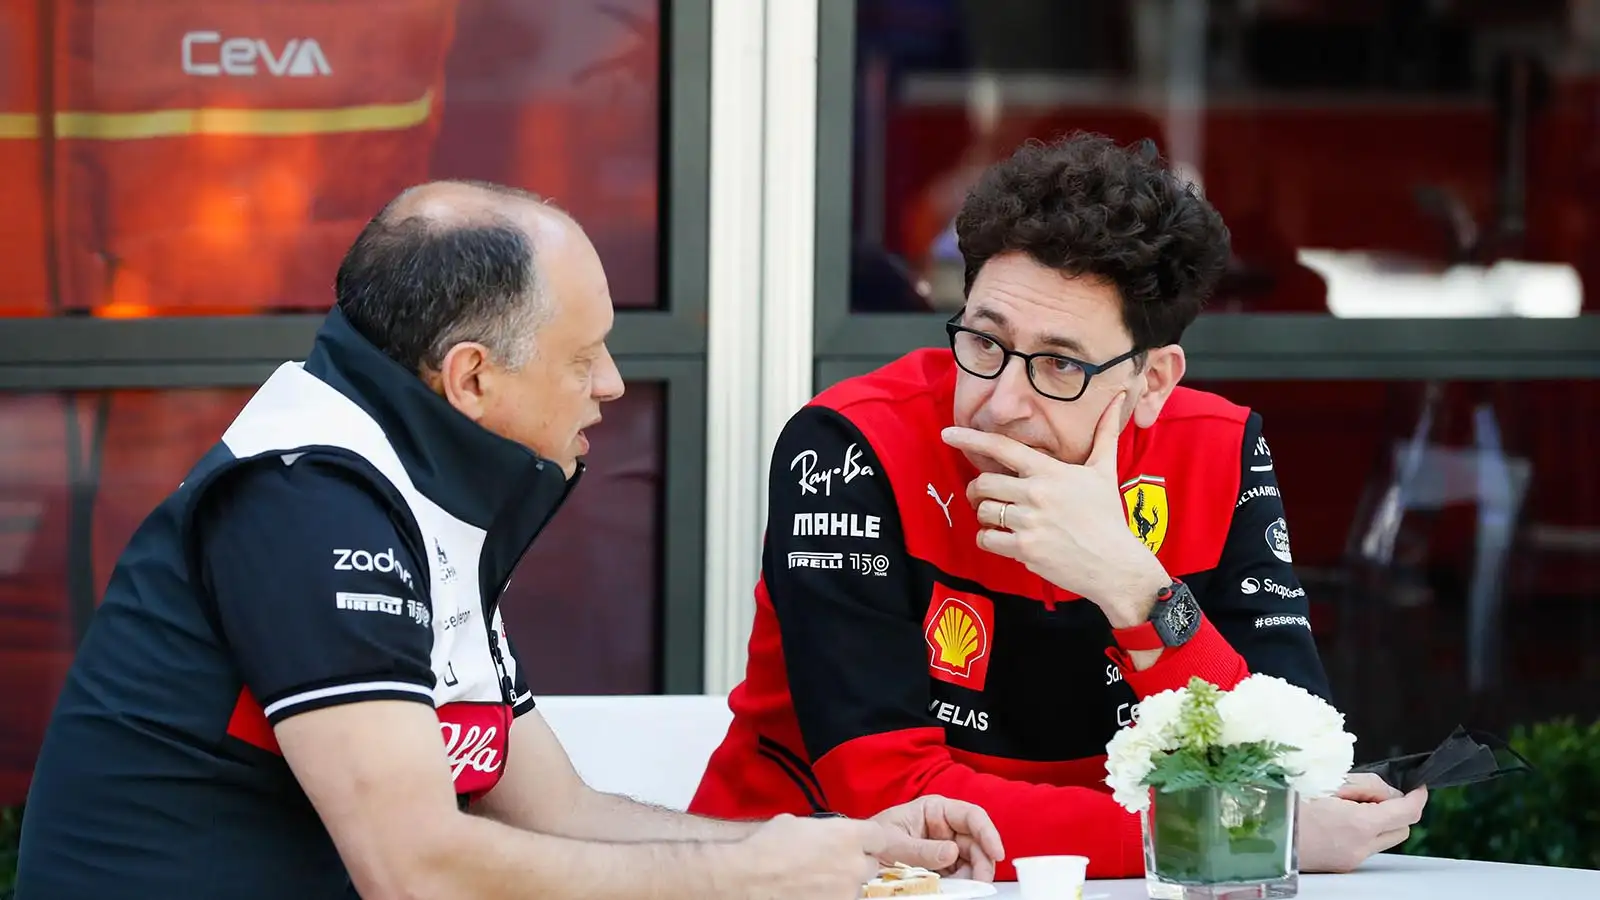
{"points": [[90, 466], [563, 97], [584, 605], [1448, 536], [225, 169], [79, 472], [1371, 159], [36, 631]]}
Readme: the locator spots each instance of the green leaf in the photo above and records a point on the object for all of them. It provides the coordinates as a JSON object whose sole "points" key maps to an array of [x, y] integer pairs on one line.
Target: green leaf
{"points": [[1218, 766]]}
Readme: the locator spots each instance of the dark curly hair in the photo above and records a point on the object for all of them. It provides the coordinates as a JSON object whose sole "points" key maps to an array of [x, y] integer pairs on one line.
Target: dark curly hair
{"points": [[1084, 205]]}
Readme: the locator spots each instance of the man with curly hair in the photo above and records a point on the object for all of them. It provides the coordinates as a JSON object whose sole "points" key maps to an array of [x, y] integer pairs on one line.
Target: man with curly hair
{"points": [[979, 558]]}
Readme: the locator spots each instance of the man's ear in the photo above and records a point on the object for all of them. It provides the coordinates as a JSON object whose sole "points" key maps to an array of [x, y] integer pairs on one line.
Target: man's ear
{"points": [[1163, 369], [462, 378]]}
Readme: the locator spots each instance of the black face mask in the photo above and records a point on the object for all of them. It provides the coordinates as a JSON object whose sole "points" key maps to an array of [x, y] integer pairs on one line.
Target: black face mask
{"points": [[1465, 757]]}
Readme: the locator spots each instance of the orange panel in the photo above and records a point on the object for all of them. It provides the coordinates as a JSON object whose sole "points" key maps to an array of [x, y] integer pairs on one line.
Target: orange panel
{"points": [[226, 168], [23, 287]]}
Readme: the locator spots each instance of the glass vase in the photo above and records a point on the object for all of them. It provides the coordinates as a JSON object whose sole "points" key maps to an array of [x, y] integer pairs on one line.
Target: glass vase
{"points": [[1233, 842]]}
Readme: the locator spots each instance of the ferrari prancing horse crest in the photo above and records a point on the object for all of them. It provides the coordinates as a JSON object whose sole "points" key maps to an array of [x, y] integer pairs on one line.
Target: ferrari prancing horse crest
{"points": [[1145, 499]]}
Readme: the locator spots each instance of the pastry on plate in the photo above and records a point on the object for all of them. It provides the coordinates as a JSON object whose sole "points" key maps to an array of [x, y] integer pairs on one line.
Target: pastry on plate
{"points": [[901, 880]]}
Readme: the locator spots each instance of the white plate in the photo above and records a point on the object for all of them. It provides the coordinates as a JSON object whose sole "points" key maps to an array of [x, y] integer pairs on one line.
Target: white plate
{"points": [[961, 887]]}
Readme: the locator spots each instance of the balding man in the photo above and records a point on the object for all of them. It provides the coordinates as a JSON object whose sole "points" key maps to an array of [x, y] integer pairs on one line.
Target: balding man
{"points": [[258, 706]]}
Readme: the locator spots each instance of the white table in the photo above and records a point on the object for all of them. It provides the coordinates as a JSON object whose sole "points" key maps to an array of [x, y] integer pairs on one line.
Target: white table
{"points": [[1396, 877], [604, 734]]}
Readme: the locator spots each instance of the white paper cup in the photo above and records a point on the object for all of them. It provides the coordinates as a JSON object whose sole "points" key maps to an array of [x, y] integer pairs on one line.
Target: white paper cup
{"points": [[1051, 877]]}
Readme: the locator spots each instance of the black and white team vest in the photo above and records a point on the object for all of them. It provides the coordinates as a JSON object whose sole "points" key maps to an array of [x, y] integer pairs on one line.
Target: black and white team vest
{"points": [[478, 690]]}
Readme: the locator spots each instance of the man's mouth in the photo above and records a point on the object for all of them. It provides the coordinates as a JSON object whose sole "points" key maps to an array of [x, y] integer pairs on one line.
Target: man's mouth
{"points": [[1040, 446], [583, 437]]}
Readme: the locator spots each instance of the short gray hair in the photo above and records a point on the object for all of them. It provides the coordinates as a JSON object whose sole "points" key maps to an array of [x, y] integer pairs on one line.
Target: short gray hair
{"points": [[416, 286], [509, 332]]}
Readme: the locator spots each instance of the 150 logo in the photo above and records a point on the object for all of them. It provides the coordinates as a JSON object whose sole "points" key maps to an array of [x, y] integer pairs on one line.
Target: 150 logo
{"points": [[870, 563]]}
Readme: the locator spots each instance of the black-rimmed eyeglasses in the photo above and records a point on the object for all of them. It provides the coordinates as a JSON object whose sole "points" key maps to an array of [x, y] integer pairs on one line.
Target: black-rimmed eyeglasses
{"points": [[1051, 374]]}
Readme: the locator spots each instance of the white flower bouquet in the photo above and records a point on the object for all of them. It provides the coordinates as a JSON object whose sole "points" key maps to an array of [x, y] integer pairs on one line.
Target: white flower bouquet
{"points": [[1264, 731], [1216, 777]]}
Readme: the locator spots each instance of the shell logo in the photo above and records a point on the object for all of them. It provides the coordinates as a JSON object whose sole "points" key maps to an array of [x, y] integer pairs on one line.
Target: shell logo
{"points": [[957, 636], [958, 630]]}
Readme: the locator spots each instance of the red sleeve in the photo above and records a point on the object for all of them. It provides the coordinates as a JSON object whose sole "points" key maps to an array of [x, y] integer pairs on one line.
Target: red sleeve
{"points": [[871, 774], [1208, 655]]}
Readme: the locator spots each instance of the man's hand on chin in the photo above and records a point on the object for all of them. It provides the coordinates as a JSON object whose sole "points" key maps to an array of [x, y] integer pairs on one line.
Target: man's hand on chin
{"points": [[1065, 522], [951, 837]]}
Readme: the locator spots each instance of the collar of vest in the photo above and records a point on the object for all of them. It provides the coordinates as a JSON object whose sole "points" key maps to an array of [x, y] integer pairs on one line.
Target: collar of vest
{"points": [[471, 472]]}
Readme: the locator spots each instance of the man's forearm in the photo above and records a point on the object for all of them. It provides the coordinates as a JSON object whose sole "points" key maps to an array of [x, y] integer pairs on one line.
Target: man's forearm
{"points": [[885, 770], [1130, 601], [609, 817], [481, 858]]}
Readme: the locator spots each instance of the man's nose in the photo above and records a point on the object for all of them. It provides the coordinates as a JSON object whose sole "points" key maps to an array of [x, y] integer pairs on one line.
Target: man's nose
{"points": [[1012, 396], [608, 383]]}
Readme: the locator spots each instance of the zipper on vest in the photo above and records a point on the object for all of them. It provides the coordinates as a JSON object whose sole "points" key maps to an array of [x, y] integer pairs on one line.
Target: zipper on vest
{"points": [[491, 603], [506, 687]]}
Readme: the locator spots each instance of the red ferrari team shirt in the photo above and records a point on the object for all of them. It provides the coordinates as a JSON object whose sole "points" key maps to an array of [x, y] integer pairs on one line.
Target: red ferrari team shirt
{"points": [[893, 658]]}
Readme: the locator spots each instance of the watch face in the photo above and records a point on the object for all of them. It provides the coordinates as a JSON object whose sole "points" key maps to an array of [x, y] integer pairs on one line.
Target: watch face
{"points": [[1180, 619], [1180, 616]]}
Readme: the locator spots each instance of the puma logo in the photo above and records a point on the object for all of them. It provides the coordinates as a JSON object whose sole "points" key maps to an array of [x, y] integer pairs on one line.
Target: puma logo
{"points": [[944, 504]]}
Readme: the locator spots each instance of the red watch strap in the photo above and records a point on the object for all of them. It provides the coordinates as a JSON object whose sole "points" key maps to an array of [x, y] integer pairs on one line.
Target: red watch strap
{"points": [[1140, 637], [1144, 636]]}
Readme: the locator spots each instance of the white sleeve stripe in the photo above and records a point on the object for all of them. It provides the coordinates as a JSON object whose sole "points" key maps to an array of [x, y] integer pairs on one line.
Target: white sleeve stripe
{"points": [[523, 698], [362, 688]]}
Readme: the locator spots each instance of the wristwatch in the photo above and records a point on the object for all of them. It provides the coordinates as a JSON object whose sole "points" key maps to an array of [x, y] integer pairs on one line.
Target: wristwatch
{"points": [[1173, 621]]}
